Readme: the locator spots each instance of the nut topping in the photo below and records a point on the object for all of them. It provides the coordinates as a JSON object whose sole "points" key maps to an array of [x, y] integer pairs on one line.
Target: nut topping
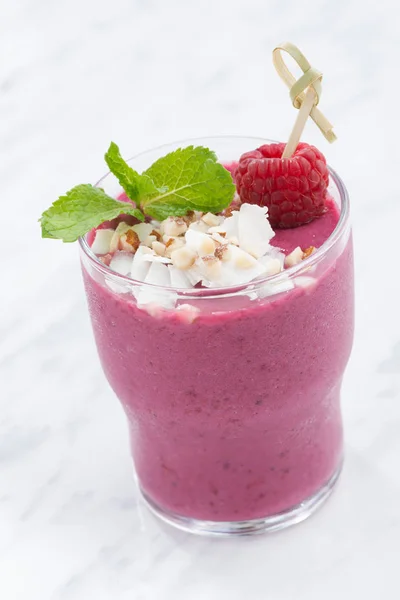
{"points": [[308, 251], [222, 252], [183, 258], [174, 226]]}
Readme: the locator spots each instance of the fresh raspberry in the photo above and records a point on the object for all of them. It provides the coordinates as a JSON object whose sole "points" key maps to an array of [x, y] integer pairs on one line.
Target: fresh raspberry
{"points": [[293, 189]]}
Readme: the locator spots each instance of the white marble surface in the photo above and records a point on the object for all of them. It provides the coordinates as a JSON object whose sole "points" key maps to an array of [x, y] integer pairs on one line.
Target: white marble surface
{"points": [[73, 75]]}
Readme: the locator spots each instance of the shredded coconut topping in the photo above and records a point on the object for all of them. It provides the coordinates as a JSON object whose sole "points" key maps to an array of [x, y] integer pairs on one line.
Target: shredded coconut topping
{"points": [[207, 249]]}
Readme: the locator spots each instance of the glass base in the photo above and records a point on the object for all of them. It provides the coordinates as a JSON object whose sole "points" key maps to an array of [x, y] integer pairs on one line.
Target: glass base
{"points": [[297, 514]]}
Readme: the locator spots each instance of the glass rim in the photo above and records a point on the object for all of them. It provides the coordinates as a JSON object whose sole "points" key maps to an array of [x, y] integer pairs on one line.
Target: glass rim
{"points": [[318, 255]]}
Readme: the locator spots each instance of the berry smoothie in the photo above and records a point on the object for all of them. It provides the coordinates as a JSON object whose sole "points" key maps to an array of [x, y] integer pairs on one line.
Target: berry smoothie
{"points": [[235, 415], [219, 279]]}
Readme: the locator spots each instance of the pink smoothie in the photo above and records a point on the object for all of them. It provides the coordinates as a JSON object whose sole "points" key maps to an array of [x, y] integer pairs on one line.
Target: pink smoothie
{"points": [[236, 415]]}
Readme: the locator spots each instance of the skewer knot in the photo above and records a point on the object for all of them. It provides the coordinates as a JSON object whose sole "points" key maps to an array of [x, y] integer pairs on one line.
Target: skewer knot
{"points": [[311, 79]]}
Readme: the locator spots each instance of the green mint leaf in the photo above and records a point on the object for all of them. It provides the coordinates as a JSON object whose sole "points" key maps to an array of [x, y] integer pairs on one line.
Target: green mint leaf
{"points": [[81, 209], [135, 185], [187, 179], [46, 234], [127, 177]]}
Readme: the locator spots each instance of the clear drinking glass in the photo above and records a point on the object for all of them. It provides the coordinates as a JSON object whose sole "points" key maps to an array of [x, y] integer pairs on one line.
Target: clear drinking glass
{"points": [[232, 395]]}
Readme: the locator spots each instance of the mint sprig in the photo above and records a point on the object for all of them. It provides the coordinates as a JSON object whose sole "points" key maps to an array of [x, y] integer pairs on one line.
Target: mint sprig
{"points": [[186, 179], [81, 209], [192, 179], [134, 185]]}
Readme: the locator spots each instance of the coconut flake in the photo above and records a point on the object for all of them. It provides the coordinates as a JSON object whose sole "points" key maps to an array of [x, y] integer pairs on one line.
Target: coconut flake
{"points": [[254, 229], [153, 257], [241, 268], [101, 244], [152, 299], [231, 225], [276, 253], [121, 263], [273, 288], [179, 278], [143, 230], [158, 275], [194, 275], [117, 287], [188, 313], [122, 228], [115, 240], [305, 281], [140, 267], [273, 266]]}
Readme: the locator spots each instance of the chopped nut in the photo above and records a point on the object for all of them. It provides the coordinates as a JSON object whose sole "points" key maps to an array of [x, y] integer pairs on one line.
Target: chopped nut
{"points": [[149, 240], [173, 226], [168, 240], [218, 229], [175, 244], [218, 234], [209, 258], [188, 313], [183, 258], [157, 234], [199, 226], [132, 238], [211, 267], [236, 202], [222, 252], [228, 211], [129, 241], [308, 251], [105, 259], [189, 217], [294, 258], [218, 238], [158, 248], [207, 246], [123, 245], [244, 261], [210, 219], [273, 266]]}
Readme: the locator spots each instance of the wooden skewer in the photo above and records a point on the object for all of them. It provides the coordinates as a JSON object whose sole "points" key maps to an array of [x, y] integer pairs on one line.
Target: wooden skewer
{"points": [[304, 93], [303, 114]]}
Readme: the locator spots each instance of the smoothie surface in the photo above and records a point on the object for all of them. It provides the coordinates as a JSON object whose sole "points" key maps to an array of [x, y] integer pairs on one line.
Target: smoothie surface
{"points": [[311, 234]]}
